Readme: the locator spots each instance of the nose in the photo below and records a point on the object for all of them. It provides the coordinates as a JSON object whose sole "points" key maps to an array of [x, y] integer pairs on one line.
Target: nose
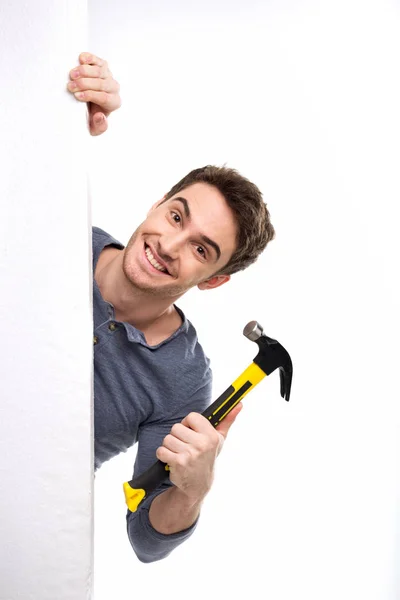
{"points": [[170, 245]]}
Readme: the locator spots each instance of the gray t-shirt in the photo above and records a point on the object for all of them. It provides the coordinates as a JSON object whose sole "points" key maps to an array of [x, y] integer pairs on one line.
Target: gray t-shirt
{"points": [[140, 391]]}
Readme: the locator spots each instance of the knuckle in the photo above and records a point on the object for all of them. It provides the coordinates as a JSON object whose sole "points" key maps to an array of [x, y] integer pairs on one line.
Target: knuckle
{"points": [[167, 440], [216, 438], [202, 447], [181, 460], [206, 445], [175, 428], [215, 441]]}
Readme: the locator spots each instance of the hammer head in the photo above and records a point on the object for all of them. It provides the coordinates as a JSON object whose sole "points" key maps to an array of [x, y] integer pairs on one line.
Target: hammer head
{"points": [[272, 355]]}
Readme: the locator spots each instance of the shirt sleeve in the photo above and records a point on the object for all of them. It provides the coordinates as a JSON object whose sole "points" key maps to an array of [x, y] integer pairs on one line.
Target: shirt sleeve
{"points": [[149, 544]]}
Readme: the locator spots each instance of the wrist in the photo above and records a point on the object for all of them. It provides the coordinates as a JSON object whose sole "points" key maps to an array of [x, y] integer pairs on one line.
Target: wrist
{"points": [[188, 500], [173, 511]]}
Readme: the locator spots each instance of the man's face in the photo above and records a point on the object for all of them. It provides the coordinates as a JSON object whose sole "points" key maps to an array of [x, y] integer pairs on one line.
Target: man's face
{"points": [[182, 243]]}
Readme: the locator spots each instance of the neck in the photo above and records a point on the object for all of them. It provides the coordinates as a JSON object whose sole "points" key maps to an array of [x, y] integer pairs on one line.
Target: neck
{"points": [[131, 305]]}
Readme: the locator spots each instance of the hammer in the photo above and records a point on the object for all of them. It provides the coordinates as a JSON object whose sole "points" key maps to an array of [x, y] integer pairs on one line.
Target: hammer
{"points": [[271, 356]]}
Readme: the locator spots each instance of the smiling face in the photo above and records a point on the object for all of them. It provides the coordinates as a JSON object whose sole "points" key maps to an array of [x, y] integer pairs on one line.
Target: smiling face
{"points": [[182, 243]]}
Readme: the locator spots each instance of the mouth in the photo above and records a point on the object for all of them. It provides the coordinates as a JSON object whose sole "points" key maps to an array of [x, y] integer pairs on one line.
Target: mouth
{"points": [[155, 262]]}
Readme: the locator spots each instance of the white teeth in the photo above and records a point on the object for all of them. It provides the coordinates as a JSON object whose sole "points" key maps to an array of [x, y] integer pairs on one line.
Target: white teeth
{"points": [[153, 261]]}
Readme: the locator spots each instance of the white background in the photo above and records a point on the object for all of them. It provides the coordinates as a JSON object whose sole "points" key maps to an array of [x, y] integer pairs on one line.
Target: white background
{"points": [[303, 99]]}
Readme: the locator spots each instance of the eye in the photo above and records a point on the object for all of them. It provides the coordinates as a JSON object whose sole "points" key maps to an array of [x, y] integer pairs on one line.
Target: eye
{"points": [[200, 250], [175, 216]]}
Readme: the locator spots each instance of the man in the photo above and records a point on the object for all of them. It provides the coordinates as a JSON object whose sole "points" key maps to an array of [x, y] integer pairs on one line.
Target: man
{"points": [[152, 378]]}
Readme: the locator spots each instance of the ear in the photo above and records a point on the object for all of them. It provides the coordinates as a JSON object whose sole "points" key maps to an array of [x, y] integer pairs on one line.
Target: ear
{"points": [[213, 282]]}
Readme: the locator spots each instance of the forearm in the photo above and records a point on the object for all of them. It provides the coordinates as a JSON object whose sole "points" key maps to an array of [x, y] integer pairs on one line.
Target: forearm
{"points": [[172, 511], [148, 543]]}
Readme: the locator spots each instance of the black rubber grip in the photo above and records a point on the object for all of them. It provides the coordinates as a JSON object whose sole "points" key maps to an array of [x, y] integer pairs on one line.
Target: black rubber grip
{"points": [[158, 473], [215, 405], [151, 479], [222, 406]]}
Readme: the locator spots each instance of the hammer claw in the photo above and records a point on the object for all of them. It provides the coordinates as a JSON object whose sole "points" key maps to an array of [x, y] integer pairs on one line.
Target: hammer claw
{"points": [[286, 382], [272, 355]]}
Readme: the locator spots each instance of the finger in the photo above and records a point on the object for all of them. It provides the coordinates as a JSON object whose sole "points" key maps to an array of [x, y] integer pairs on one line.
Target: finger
{"points": [[98, 84], [230, 418], [184, 433], [198, 423], [106, 101], [167, 456], [91, 59], [89, 71], [98, 124], [174, 444]]}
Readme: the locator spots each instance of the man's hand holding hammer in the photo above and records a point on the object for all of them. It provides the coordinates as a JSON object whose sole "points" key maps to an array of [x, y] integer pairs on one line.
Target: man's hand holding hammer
{"points": [[190, 450]]}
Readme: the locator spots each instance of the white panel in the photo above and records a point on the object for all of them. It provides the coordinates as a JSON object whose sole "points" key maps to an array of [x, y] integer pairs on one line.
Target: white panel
{"points": [[46, 452]]}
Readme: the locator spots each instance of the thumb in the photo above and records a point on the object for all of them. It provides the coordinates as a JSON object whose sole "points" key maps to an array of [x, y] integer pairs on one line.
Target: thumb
{"points": [[230, 418], [97, 119], [98, 123]]}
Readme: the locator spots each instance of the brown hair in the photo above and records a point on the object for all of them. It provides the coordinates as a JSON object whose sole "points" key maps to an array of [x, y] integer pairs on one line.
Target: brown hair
{"points": [[244, 198]]}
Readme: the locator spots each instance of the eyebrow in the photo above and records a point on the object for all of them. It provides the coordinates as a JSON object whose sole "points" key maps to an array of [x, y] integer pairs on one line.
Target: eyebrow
{"points": [[204, 238]]}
